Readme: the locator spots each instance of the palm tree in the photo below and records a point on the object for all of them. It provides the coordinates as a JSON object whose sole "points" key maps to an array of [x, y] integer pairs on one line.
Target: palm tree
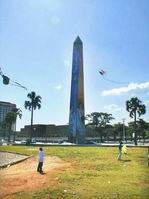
{"points": [[134, 106], [11, 118], [35, 102]]}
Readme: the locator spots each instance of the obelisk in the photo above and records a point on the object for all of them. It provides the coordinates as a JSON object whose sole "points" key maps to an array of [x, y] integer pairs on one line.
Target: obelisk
{"points": [[76, 115]]}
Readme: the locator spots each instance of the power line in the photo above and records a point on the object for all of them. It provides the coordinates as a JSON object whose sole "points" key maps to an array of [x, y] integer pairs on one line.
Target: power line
{"points": [[7, 80]]}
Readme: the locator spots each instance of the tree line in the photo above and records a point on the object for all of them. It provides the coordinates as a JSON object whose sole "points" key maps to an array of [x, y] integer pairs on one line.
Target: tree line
{"points": [[101, 122], [97, 123]]}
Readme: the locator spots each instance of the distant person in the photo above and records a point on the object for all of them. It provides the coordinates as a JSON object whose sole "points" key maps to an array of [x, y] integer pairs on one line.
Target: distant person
{"points": [[41, 159], [124, 149], [120, 150]]}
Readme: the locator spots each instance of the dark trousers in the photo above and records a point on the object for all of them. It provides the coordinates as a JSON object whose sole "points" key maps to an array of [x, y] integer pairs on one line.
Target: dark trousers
{"points": [[39, 168]]}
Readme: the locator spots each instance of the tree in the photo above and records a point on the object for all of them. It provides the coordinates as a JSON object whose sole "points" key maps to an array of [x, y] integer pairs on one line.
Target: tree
{"points": [[130, 130], [99, 120], [11, 118], [118, 130], [92, 119], [134, 106], [35, 102], [3, 128], [142, 126]]}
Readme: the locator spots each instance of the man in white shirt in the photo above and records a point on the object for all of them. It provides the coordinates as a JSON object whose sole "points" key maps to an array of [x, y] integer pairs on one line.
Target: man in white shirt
{"points": [[41, 159]]}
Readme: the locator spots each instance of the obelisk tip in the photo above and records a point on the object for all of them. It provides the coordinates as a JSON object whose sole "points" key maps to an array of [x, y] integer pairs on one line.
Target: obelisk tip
{"points": [[78, 40]]}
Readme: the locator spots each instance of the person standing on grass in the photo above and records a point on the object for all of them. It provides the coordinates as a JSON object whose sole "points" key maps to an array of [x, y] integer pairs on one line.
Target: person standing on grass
{"points": [[41, 159], [120, 150], [124, 149]]}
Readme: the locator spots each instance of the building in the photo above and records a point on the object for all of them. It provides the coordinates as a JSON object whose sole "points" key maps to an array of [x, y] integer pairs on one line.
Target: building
{"points": [[44, 131], [52, 132], [6, 107]]}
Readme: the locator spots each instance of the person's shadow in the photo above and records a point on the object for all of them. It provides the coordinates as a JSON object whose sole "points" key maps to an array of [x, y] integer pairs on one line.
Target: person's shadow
{"points": [[126, 160], [42, 173]]}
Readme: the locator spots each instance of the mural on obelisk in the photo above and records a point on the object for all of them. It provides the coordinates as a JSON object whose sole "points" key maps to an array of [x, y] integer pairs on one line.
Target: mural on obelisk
{"points": [[76, 115]]}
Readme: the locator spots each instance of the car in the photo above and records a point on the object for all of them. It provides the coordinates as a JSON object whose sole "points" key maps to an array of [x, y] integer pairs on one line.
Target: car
{"points": [[67, 143], [23, 141], [3, 142], [17, 142], [91, 142]]}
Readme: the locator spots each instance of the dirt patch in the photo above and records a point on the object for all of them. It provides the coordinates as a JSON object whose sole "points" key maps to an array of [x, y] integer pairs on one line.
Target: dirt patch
{"points": [[24, 176]]}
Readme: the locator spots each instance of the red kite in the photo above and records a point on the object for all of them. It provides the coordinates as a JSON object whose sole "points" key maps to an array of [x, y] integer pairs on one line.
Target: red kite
{"points": [[103, 74]]}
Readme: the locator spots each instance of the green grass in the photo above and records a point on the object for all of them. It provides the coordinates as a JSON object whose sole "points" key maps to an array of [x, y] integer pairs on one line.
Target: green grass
{"points": [[95, 173]]}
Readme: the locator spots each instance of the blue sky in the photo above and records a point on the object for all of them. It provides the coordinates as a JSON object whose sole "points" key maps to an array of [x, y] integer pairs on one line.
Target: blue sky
{"points": [[36, 40]]}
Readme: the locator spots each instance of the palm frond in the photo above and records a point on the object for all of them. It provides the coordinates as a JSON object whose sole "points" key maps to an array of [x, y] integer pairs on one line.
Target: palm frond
{"points": [[28, 105]]}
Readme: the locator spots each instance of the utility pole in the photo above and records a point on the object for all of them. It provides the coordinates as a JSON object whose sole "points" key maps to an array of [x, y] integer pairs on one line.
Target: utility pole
{"points": [[124, 135]]}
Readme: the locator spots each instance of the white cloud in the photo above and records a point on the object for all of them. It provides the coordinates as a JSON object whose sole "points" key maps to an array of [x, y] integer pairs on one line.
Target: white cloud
{"points": [[113, 108], [130, 87], [118, 112], [132, 95], [58, 87], [67, 63], [147, 102], [55, 20]]}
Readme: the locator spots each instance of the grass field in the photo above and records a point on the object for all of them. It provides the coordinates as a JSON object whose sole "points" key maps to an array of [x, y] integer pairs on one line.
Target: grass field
{"points": [[95, 173]]}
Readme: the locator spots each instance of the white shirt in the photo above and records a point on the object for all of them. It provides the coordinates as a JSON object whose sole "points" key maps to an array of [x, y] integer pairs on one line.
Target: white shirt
{"points": [[41, 156]]}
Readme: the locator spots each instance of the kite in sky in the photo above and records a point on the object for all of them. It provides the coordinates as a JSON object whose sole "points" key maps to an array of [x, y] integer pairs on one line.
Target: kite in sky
{"points": [[103, 74], [7, 80]]}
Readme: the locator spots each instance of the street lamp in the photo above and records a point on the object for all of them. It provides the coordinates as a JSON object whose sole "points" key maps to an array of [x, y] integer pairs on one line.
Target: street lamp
{"points": [[7, 80], [124, 135]]}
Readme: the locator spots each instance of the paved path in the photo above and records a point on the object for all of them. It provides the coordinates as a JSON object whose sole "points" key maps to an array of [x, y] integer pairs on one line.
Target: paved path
{"points": [[10, 158]]}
